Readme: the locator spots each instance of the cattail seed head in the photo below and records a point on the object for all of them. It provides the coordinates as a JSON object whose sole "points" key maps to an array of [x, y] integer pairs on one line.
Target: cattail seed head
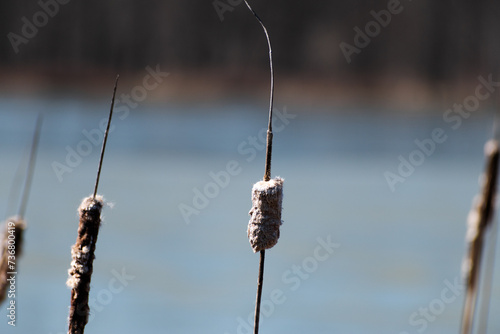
{"points": [[483, 206], [13, 236], [82, 254], [478, 221], [265, 221]]}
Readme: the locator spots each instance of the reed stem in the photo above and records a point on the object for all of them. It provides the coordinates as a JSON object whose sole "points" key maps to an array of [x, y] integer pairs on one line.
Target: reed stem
{"points": [[31, 167], [105, 138], [260, 283], [267, 172], [488, 278], [269, 146], [15, 226]]}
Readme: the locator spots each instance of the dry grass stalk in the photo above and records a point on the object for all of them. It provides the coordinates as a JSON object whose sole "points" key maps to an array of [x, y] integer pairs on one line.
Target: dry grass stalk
{"points": [[83, 256], [479, 220], [11, 246], [253, 230]]}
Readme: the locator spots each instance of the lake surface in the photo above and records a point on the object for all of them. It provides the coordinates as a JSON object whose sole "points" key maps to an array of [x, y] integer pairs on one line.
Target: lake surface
{"points": [[355, 256]]}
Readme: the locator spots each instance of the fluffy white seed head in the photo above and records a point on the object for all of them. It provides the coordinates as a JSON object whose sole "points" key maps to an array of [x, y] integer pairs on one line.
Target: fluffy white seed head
{"points": [[265, 221]]}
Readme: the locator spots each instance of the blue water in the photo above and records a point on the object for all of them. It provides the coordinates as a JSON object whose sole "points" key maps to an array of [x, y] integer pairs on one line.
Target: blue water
{"points": [[392, 254]]}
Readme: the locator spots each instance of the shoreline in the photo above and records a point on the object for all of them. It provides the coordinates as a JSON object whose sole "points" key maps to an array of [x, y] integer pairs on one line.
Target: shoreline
{"points": [[400, 92]]}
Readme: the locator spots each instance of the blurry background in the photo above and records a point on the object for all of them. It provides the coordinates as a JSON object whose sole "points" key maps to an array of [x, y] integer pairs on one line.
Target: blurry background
{"points": [[342, 124], [424, 45]]}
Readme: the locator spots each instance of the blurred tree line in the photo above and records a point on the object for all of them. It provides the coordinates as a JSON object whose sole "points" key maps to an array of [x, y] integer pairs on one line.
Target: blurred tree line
{"points": [[436, 40]]}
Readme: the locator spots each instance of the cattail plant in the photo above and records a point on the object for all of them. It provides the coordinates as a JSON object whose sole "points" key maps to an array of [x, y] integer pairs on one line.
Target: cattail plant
{"points": [[82, 252], [479, 222], [267, 197], [13, 237], [12, 241]]}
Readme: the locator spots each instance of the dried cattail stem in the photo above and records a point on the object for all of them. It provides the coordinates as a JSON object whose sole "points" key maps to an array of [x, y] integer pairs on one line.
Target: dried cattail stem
{"points": [[264, 225], [479, 220], [81, 269], [11, 246], [83, 250], [265, 236], [12, 241]]}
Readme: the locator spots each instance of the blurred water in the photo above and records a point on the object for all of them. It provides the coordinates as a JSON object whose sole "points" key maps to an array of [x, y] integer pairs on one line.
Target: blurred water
{"points": [[395, 252]]}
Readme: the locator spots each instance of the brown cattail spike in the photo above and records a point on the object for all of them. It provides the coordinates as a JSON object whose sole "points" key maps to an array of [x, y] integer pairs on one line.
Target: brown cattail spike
{"points": [[264, 225], [479, 220], [81, 269], [11, 246]]}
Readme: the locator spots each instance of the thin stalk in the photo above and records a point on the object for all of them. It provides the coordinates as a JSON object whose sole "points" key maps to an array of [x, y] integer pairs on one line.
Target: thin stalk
{"points": [[260, 283], [31, 167], [472, 289], [267, 172], [269, 146], [105, 138], [15, 226], [488, 279]]}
